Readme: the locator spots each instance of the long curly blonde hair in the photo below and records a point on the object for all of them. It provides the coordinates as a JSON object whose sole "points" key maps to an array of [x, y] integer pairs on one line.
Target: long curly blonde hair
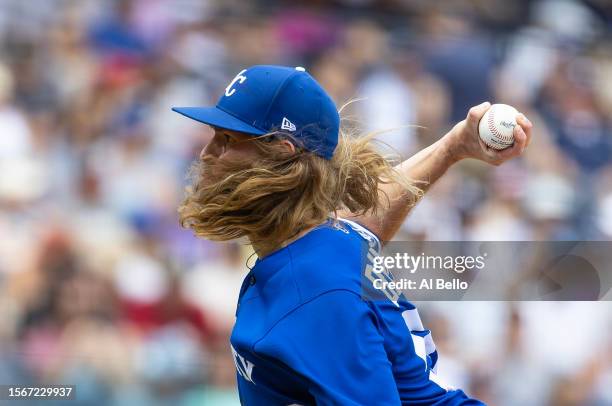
{"points": [[274, 198]]}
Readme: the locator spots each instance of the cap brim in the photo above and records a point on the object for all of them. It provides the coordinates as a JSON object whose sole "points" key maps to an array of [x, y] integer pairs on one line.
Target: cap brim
{"points": [[217, 118]]}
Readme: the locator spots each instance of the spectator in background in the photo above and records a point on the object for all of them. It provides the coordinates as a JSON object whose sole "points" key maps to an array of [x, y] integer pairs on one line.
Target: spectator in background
{"points": [[91, 169]]}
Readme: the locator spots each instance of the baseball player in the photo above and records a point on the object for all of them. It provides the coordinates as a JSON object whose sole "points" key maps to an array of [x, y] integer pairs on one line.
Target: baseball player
{"points": [[310, 199]]}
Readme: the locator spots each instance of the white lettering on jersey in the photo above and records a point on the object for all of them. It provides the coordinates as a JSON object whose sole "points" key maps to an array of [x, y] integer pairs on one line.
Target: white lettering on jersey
{"points": [[419, 348], [243, 366], [374, 248], [239, 78], [423, 346]]}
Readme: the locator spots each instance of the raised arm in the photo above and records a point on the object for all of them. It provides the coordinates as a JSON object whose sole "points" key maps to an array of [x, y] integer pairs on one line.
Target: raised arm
{"points": [[428, 165]]}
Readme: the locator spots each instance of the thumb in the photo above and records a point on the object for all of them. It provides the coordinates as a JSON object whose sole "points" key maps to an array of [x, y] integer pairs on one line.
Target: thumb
{"points": [[476, 113]]}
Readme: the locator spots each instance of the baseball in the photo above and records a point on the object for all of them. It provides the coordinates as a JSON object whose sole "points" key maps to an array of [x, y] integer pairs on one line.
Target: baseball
{"points": [[497, 125]]}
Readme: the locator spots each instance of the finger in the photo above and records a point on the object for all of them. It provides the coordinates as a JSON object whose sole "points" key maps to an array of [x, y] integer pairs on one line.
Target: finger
{"points": [[527, 127], [510, 152], [497, 156], [490, 153], [476, 113], [520, 137], [523, 120]]}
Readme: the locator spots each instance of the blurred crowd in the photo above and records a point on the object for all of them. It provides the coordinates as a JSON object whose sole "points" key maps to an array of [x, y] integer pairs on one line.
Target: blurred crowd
{"points": [[99, 286]]}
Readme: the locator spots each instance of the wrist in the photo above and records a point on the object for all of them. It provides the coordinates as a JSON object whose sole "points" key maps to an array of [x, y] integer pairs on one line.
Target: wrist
{"points": [[451, 147]]}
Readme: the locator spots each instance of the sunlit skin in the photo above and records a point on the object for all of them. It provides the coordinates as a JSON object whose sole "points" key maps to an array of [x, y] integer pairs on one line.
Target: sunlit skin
{"points": [[429, 164], [228, 145], [426, 166], [234, 145]]}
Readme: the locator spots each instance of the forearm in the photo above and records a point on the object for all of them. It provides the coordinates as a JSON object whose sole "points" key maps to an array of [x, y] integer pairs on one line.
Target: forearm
{"points": [[427, 166], [424, 168]]}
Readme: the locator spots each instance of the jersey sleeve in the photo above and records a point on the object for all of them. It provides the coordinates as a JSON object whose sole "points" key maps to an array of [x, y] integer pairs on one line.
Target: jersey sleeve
{"points": [[334, 343]]}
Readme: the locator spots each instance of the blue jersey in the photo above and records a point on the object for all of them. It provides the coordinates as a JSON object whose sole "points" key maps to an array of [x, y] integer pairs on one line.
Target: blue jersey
{"points": [[304, 335]]}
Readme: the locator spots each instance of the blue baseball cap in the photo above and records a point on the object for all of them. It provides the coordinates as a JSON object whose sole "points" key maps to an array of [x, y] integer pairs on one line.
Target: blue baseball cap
{"points": [[267, 98]]}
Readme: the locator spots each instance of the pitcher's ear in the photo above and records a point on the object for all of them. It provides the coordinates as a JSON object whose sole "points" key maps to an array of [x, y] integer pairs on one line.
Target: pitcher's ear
{"points": [[288, 145]]}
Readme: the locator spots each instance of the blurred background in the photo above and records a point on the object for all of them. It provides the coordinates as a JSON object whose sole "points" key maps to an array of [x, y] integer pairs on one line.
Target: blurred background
{"points": [[99, 287]]}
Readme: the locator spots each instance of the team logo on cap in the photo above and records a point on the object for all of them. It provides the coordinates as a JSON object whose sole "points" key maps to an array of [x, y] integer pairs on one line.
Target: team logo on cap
{"points": [[240, 78], [287, 125]]}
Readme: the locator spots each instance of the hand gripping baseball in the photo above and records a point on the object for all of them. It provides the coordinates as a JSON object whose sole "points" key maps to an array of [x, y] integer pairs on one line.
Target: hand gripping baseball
{"points": [[502, 136]]}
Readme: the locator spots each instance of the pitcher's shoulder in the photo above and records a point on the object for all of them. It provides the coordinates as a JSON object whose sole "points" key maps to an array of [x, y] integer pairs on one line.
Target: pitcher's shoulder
{"points": [[331, 257]]}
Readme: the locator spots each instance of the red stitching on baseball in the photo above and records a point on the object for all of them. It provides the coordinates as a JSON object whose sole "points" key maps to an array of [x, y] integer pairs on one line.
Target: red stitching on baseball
{"points": [[491, 145], [491, 123]]}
